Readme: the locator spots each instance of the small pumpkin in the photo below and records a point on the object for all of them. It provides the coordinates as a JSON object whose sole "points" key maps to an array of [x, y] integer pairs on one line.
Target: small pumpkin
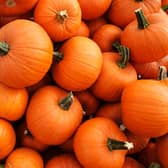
{"points": [[13, 102], [81, 64], [61, 111], [106, 35], [93, 9], [7, 138], [24, 61], [24, 157], [63, 161], [132, 163], [60, 18], [16, 7], [99, 142], [152, 29]]}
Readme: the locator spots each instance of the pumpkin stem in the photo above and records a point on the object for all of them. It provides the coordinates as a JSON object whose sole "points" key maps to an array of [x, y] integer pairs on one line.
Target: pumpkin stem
{"points": [[154, 165], [4, 48], [58, 56], [162, 73], [124, 53], [66, 102], [61, 16], [2, 165], [165, 7], [118, 145], [142, 21]]}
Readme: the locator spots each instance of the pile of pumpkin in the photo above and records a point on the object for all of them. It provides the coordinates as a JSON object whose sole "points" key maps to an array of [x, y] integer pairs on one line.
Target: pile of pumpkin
{"points": [[83, 84]]}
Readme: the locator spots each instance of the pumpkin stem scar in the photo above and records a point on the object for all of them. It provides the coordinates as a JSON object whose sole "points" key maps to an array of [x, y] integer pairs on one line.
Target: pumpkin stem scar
{"points": [[66, 102], [142, 21], [61, 16], [113, 144], [162, 73], [4, 48], [58, 56], [154, 165], [10, 3]]}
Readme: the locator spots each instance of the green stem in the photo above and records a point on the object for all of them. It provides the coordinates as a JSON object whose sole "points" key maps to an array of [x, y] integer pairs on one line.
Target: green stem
{"points": [[154, 165], [58, 56], [66, 102], [4, 48], [165, 7], [118, 145], [116, 45], [162, 73], [142, 21]]}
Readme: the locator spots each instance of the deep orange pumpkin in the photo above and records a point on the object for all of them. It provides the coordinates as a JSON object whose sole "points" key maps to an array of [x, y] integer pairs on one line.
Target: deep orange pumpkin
{"points": [[61, 111], [25, 53], [93, 9], [63, 161], [99, 142], [24, 157], [60, 18], [121, 13], [16, 7], [13, 102], [81, 64], [7, 138], [132, 163]]}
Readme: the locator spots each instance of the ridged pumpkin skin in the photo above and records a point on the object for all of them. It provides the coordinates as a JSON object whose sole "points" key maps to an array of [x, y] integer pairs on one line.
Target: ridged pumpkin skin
{"points": [[161, 150], [24, 157], [63, 161], [144, 106], [132, 163], [60, 18], [94, 9], [81, 64], [155, 35], [30, 53], [7, 138], [16, 7], [13, 102], [90, 144], [61, 124], [121, 13]]}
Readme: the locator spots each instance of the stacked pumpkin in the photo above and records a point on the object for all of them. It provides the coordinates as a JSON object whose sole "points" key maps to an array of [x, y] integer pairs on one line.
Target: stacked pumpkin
{"points": [[83, 84]]}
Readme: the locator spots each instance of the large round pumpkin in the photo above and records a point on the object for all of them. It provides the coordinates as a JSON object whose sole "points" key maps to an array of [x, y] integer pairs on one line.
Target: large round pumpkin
{"points": [[26, 53]]}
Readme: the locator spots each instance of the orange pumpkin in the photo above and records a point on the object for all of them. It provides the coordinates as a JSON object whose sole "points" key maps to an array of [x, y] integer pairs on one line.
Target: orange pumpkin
{"points": [[60, 18], [81, 64], [24, 157], [63, 161], [99, 142], [7, 138], [106, 35], [16, 7], [132, 163], [13, 102], [25, 53], [61, 111]]}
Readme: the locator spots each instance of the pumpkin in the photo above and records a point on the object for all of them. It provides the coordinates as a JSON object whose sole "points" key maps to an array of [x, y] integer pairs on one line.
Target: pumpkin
{"points": [[83, 30], [88, 101], [161, 150], [60, 18], [13, 102], [99, 142], [132, 163], [147, 70], [63, 161], [24, 61], [111, 111], [25, 139], [152, 29], [140, 108], [81, 64], [139, 142], [121, 13], [7, 138], [16, 7], [116, 73], [94, 9], [24, 157], [95, 24], [106, 35], [61, 111]]}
